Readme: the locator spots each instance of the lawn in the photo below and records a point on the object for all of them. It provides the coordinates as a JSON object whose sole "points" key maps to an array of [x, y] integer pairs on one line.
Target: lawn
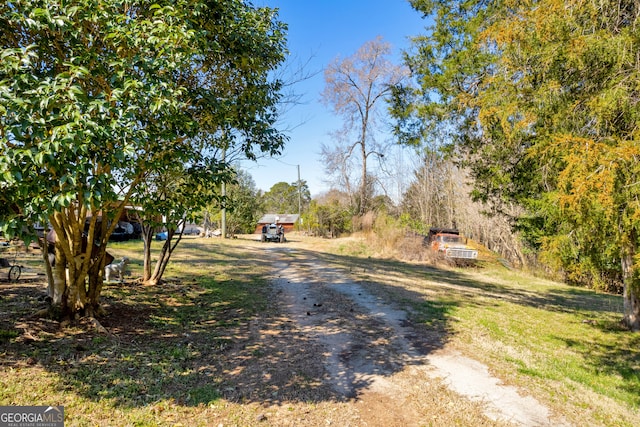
{"points": [[563, 344], [187, 353]]}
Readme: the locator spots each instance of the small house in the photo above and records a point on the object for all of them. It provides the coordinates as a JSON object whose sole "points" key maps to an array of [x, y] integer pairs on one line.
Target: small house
{"points": [[288, 221]]}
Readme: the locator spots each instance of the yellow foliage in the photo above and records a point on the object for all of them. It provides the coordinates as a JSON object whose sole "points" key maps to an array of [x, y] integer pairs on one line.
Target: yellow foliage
{"points": [[593, 174]]}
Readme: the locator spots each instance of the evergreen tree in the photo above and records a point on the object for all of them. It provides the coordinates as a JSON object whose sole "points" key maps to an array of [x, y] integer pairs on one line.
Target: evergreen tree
{"points": [[541, 99]]}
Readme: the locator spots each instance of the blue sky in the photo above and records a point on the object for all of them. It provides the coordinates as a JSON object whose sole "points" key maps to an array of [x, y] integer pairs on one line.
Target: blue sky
{"points": [[319, 31]]}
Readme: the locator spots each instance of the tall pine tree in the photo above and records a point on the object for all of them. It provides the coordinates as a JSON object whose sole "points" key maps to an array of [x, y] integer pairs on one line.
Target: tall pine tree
{"points": [[541, 98]]}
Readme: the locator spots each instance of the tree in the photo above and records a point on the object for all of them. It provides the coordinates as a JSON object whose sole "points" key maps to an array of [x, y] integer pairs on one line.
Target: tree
{"points": [[78, 103], [243, 203], [329, 215], [355, 88], [545, 93], [286, 198], [235, 101], [97, 97], [427, 197], [169, 199]]}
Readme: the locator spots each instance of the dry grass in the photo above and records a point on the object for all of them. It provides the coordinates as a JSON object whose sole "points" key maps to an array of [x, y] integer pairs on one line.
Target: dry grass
{"points": [[212, 346]]}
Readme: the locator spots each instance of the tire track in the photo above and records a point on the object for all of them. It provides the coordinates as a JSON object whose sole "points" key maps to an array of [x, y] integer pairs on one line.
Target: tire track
{"points": [[366, 341]]}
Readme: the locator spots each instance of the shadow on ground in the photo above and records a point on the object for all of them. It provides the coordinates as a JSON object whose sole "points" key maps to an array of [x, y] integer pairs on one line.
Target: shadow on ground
{"points": [[219, 330]]}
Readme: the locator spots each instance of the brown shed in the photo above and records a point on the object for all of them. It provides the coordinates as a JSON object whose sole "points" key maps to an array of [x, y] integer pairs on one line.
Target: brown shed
{"points": [[288, 221]]}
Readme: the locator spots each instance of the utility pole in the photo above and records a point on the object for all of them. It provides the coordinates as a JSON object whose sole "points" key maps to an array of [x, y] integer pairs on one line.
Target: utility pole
{"points": [[299, 194], [223, 192]]}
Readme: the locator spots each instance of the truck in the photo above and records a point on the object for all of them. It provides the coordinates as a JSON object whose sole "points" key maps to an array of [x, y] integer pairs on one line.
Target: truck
{"points": [[452, 246], [273, 233]]}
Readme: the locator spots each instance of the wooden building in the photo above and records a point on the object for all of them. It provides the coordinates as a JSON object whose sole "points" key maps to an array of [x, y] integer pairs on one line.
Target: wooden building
{"points": [[288, 221]]}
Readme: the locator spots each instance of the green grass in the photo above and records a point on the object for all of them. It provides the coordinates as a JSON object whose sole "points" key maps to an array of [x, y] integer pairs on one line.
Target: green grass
{"points": [[434, 314], [563, 344], [176, 349], [7, 335], [557, 345]]}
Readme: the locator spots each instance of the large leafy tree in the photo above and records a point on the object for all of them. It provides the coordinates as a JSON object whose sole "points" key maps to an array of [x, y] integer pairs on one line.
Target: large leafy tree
{"points": [[544, 98], [97, 97], [234, 100], [286, 198]]}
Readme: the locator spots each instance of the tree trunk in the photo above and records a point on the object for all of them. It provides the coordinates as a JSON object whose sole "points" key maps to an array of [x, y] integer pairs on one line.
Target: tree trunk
{"points": [[152, 279], [161, 263], [631, 294], [96, 271], [48, 260], [59, 280], [364, 186], [147, 235], [80, 254]]}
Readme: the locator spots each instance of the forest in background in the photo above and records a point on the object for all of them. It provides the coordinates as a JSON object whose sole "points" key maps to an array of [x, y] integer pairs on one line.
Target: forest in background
{"points": [[524, 117], [521, 117]]}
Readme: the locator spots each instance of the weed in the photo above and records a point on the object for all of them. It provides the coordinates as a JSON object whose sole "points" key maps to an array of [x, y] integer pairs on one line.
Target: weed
{"points": [[7, 335], [189, 351], [207, 394]]}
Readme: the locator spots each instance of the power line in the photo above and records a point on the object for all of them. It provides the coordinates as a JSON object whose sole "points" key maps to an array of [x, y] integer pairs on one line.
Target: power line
{"points": [[285, 163]]}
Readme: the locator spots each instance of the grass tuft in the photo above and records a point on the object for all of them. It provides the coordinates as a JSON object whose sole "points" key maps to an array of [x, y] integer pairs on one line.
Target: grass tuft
{"points": [[211, 346]]}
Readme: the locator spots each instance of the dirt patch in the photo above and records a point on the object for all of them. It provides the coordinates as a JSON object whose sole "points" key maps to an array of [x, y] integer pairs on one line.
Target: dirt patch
{"points": [[318, 349], [373, 354]]}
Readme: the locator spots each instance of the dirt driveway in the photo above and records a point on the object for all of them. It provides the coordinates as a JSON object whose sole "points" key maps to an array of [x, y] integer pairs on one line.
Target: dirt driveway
{"points": [[329, 347], [388, 371]]}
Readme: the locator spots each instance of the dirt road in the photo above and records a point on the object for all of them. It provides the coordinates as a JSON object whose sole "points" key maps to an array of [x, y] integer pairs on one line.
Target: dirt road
{"points": [[394, 372]]}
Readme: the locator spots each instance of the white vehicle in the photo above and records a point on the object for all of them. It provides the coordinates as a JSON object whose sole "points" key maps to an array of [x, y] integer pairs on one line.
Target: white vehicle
{"points": [[273, 233]]}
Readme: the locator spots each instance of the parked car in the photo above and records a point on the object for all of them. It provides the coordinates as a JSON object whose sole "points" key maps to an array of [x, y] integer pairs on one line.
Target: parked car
{"points": [[273, 233], [449, 243]]}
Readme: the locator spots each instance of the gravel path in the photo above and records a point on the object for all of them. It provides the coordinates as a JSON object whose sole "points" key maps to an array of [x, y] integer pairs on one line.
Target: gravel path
{"points": [[367, 343]]}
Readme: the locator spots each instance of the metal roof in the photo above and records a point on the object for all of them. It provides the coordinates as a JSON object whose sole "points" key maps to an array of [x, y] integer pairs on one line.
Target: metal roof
{"points": [[279, 219]]}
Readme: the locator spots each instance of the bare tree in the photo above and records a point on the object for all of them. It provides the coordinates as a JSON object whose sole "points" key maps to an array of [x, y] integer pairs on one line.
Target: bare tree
{"points": [[356, 88], [432, 196], [440, 196]]}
